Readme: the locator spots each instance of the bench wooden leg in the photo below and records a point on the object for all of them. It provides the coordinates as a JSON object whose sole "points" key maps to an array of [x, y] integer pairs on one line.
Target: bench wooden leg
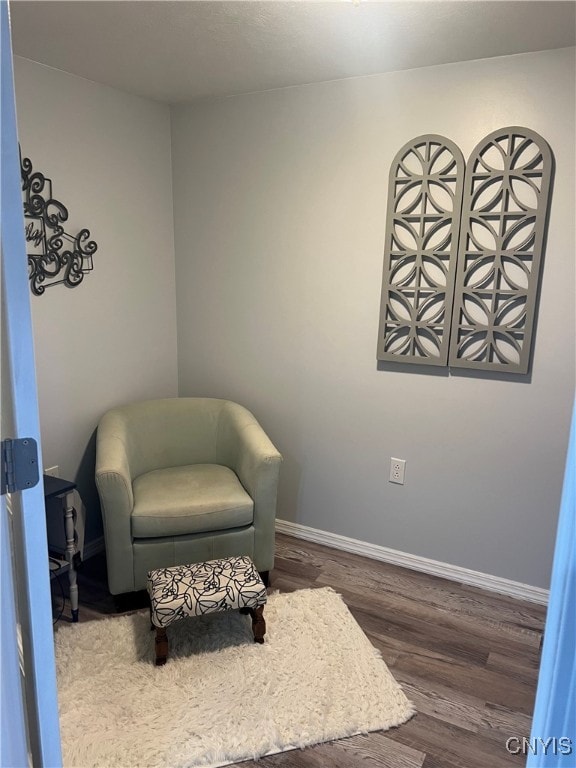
{"points": [[161, 646], [258, 623]]}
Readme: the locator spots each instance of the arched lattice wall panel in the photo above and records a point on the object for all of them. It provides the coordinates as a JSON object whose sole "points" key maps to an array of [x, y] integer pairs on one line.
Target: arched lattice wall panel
{"points": [[422, 224], [504, 213]]}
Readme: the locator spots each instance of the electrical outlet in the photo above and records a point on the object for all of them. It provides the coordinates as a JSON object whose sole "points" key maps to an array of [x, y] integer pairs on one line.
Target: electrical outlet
{"points": [[397, 469], [52, 471]]}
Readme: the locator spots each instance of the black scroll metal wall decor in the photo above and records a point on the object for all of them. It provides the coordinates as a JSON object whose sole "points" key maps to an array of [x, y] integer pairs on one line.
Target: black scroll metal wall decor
{"points": [[54, 256], [464, 251]]}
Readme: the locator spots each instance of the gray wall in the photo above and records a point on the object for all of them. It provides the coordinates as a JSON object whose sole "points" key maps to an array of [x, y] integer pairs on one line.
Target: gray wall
{"points": [[279, 204], [112, 339]]}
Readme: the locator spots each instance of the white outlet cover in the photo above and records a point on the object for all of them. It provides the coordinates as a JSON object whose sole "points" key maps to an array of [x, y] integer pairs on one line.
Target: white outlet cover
{"points": [[397, 470]]}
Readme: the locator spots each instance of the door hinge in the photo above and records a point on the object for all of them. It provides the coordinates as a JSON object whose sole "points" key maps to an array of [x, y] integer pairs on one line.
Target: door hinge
{"points": [[19, 464]]}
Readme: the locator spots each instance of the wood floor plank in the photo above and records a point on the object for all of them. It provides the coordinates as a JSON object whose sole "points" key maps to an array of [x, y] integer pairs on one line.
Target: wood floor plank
{"points": [[499, 635], [363, 751], [523, 667], [516, 624], [448, 745], [485, 683], [303, 570], [499, 724], [445, 704], [422, 634]]}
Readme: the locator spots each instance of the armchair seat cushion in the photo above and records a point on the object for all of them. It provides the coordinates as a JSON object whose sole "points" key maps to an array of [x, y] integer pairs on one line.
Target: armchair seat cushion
{"points": [[191, 499]]}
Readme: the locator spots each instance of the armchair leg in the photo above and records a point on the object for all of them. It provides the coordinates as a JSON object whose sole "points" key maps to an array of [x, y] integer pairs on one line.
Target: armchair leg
{"points": [[265, 576]]}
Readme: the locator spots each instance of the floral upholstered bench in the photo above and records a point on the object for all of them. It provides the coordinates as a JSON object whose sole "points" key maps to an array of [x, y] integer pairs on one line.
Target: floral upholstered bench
{"points": [[195, 590]]}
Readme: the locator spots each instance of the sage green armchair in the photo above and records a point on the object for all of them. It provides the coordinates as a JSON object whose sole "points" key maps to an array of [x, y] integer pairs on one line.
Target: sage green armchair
{"points": [[184, 480]]}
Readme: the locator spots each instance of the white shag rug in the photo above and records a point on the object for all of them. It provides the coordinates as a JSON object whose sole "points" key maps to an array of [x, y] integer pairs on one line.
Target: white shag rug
{"points": [[221, 698]]}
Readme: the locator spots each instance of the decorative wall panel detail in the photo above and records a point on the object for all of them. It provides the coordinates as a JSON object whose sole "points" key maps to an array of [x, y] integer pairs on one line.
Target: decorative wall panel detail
{"points": [[504, 214], [54, 256], [422, 224]]}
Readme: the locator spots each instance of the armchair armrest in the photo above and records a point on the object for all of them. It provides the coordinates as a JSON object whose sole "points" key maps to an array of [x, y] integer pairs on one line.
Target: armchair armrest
{"points": [[114, 484], [248, 450]]}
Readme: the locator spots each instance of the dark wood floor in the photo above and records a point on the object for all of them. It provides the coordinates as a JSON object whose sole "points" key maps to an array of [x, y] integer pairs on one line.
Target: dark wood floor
{"points": [[468, 659]]}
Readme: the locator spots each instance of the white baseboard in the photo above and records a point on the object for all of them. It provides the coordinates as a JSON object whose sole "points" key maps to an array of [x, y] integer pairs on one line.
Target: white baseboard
{"points": [[416, 563], [93, 547]]}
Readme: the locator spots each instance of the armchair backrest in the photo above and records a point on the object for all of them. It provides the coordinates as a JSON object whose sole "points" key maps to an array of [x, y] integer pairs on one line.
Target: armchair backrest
{"points": [[172, 432]]}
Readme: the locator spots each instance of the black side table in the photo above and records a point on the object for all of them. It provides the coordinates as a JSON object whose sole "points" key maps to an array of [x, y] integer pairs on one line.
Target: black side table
{"points": [[56, 487]]}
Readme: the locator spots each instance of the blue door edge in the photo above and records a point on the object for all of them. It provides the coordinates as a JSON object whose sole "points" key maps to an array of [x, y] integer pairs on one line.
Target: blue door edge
{"points": [[35, 611], [553, 735]]}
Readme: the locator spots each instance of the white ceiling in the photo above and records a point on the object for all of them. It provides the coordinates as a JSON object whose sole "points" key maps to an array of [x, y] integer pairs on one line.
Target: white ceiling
{"points": [[177, 51]]}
